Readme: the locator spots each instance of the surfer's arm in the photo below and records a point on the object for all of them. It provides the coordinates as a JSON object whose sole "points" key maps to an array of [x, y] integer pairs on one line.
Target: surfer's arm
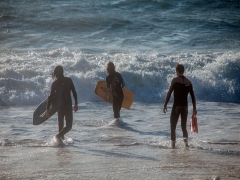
{"points": [[193, 100], [123, 83], [74, 94], [75, 108], [108, 93], [108, 89], [50, 97], [49, 102], [167, 98]]}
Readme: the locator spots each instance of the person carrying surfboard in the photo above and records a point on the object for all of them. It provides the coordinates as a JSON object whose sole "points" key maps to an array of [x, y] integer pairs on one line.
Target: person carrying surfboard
{"points": [[181, 86], [67, 86], [115, 84]]}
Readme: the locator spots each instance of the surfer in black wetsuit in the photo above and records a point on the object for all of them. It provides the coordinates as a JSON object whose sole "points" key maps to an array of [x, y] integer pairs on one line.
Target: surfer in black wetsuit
{"points": [[181, 86], [115, 84], [66, 110]]}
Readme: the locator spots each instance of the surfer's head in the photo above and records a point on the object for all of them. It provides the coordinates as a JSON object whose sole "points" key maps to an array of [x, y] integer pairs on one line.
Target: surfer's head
{"points": [[110, 68], [57, 72], [180, 68]]}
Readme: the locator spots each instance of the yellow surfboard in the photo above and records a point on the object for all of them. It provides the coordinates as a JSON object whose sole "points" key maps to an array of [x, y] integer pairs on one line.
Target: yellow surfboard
{"points": [[101, 91]]}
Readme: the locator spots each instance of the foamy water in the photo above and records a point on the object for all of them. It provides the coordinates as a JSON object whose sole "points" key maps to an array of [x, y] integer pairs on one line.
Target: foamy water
{"points": [[140, 147], [26, 79]]}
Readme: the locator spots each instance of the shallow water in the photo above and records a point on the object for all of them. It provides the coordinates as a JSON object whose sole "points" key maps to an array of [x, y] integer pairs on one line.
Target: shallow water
{"points": [[96, 148]]}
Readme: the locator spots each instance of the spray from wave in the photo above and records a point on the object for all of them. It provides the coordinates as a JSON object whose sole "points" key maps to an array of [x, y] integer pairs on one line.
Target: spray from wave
{"points": [[25, 79]]}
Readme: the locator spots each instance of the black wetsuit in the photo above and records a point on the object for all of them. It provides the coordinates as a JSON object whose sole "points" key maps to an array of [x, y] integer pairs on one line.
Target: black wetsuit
{"points": [[181, 87], [66, 110], [115, 81]]}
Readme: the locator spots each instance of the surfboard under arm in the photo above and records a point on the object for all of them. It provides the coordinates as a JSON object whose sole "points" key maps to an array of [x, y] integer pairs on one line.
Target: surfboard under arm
{"points": [[39, 115], [101, 91]]}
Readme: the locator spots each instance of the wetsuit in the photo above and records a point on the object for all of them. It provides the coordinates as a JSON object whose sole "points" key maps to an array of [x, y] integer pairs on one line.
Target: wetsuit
{"points": [[66, 110], [181, 87], [116, 82]]}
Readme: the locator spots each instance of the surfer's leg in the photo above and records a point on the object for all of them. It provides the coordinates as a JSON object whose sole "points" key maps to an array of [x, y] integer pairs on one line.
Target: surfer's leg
{"points": [[116, 107], [173, 122], [69, 120], [120, 104], [184, 114], [60, 119]]}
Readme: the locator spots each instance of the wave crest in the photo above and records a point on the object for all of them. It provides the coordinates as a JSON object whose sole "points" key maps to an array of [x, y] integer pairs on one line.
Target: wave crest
{"points": [[26, 79]]}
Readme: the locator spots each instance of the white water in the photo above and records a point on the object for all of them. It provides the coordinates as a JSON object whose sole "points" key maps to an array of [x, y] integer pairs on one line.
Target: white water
{"points": [[26, 79], [139, 149]]}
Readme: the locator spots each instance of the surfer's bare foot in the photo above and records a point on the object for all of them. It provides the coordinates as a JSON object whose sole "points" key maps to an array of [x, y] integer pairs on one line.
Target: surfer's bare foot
{"points": [[186, 142], [173, 144], [57, 136]]}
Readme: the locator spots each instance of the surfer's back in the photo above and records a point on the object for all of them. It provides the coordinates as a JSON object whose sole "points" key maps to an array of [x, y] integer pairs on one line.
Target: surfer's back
{"points": [[181, 87]]}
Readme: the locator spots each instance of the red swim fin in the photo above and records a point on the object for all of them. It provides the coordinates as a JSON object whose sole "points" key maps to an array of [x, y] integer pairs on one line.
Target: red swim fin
{"points": [[194, 124]]}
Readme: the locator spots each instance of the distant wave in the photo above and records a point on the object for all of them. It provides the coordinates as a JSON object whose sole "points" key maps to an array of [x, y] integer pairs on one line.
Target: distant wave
{"points": [[25, 79]]}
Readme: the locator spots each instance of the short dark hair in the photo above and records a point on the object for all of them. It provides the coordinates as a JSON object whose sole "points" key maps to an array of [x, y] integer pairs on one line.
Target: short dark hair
{"points": [[58, 71], [180, 68]]}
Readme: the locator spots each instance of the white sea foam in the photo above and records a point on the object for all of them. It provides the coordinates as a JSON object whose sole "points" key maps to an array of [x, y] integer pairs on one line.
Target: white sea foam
{"points": [[116, 122], [55, 142], [26, 79]]}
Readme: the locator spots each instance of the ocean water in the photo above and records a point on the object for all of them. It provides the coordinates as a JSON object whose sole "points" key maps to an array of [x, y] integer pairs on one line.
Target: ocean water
{"points": [[139, 148], [145, 39]]}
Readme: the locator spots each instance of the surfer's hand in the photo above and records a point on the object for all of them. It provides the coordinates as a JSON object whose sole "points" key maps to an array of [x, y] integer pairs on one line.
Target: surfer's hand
{"points": [[165, 109], [75, 108], [48, 114], [194, 112]]}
